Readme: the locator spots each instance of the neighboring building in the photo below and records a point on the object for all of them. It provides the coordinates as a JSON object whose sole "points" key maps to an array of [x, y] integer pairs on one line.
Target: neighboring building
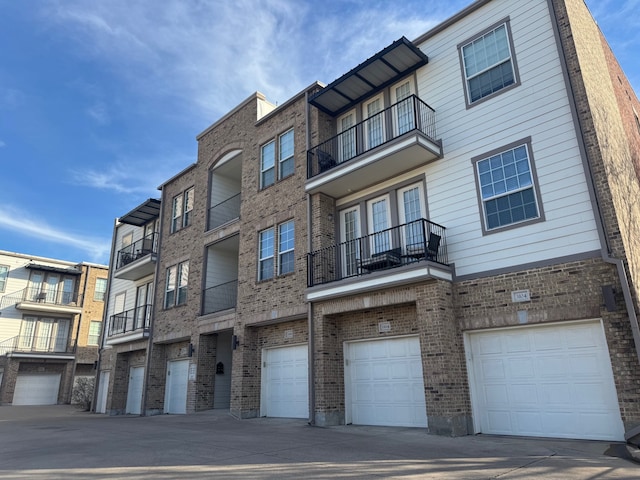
{"points": [[129, 311], [444, 237], [50, 326]]}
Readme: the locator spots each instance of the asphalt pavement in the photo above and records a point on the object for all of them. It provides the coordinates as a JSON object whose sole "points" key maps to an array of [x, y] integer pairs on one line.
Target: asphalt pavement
{"points": [[62, 442]]}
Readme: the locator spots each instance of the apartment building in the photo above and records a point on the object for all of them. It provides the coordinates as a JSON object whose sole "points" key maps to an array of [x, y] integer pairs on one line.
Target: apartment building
{"points": [[129, 311], [445, 237], [50, 326]]}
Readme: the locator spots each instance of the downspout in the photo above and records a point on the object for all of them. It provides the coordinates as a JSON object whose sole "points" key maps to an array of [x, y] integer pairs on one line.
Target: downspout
{"points": [[147, 363], [105, 323], [312, 390], [605, 247], [81, 315]]}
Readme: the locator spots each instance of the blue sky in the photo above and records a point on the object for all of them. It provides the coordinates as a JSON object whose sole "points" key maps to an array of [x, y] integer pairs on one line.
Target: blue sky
{"points": [[100, 101]]}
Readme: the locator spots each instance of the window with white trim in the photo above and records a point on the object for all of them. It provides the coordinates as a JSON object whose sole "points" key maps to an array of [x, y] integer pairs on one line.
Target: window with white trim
{"points": [[181, 210], [267, 164], [488, 63], [100, 289], [95, 327], [506, 183], [281, 260], [176, 284], [4, 273], [283, 150], [285, 247], [285, 154], [266, 253]]}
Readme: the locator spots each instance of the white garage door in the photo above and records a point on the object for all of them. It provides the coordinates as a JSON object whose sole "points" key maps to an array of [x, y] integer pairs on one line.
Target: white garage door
{"points": [[37, 389], [134, 391], [175, 395], [384, 383], [285, 382], [545, 381]]}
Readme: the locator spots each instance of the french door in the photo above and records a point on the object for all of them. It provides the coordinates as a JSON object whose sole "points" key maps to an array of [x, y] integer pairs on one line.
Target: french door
{"points": [[349, 236], [346, 136], [379, 222], [374, 122]]}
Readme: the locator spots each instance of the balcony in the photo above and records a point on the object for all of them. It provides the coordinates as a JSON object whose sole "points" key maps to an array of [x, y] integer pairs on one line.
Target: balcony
{"points": [[403, 254], [129, 325], [220, 297], [224, 212], [137, 260], [42, 299], [25, 345], [397, 139]]}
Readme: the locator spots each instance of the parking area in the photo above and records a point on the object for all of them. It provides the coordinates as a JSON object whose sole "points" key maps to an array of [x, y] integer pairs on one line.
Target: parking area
{"points": [[61, 442]]}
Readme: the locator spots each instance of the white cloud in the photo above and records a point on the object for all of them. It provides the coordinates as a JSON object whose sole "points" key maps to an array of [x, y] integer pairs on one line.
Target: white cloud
{"points": [[2, 144], [99, 112], [206, 57], [17, 220]]}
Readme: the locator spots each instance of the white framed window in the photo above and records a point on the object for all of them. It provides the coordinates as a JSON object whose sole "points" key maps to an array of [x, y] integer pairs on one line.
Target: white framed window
{"points": [[411, 210], [507, 187], [374, 128], [266, 254], [285, 155], [176, 285], [100, 289], [182, 209], [403, 107], [488, 62], [281, 261], [267, 164], [95, 327], [4, 273], [286, 239], [346, 136], [379, 221], [349, 236]]}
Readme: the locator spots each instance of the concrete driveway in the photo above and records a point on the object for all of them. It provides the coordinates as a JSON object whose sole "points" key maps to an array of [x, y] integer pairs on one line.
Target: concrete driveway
{"points": [[61, 442]]}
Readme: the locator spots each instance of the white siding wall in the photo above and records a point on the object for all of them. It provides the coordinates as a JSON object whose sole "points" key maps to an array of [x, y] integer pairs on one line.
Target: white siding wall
{"points": [[18, 280], [119, 285], [537, 108]]}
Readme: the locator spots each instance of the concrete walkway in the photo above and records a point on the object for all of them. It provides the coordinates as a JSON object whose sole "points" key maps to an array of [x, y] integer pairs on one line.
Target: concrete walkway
{"points": [[61, 442]]}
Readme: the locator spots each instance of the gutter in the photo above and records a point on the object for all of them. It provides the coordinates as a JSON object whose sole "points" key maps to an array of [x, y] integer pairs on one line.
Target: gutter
{"points": [[311, 338]]}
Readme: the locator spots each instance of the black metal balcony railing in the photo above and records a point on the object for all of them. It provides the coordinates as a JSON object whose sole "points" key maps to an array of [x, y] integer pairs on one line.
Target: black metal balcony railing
{"points": [[220, 297], [42, 294], [394, 247], [138, 249], [408, 115], [36, 344], [224, 212], [136, 319]]}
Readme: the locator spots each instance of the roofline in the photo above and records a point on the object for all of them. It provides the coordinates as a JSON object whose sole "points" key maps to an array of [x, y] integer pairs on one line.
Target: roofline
{"points": [[450, 21], [244, 103], [37, 257], [289, 101], [179, 174]]}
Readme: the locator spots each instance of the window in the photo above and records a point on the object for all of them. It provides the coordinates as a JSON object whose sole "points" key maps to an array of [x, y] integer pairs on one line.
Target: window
{"points": [[285, 247], [94, 332], [4, 273], [181, 210], [506, 184], [176, 285], [285, 156], [488, 63], [267, 167], [265, 261], [100, 290], [285, 253]]}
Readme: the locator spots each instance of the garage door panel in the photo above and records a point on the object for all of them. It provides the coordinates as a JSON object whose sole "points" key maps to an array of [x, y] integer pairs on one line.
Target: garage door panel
{"points": [[516, 344], [37, 389], [546, 341], [520, 368], [285, 382], [385, 387], [524, 394], [562, 388]]}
